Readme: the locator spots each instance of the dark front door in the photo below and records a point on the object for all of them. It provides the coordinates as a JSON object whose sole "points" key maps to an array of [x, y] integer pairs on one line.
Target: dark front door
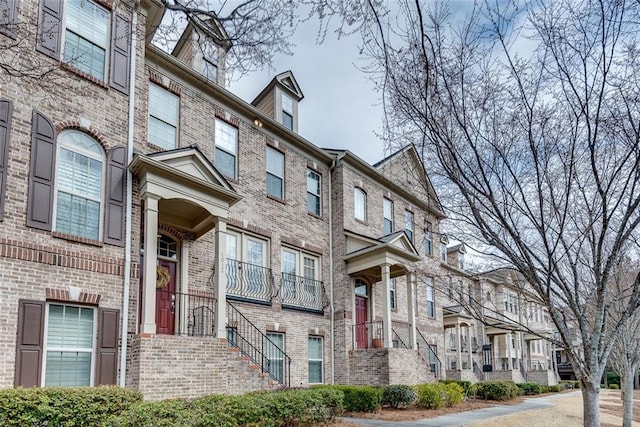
{"points": [[165, 297], [361, 322]]}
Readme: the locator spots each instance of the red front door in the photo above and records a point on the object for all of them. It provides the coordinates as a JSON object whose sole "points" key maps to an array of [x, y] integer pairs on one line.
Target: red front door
{"points": [[361, 320], [165, 297]]}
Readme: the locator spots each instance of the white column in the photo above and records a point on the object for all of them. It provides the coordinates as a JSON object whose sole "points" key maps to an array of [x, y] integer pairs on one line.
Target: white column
{"points": [[386, 304], [220, 278], [469, 363], [150, 261], [459, 345], [184, 287], [510, 361], [411, 315]]}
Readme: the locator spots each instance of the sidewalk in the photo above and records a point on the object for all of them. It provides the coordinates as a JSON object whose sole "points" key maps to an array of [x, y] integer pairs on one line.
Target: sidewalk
{"points": [[470, 417]]}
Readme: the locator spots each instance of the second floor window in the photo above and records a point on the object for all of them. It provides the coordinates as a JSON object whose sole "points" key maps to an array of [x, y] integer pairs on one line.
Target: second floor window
{"points": [[387, 213], [86, 37], [226, 155], [313, 192], [431, 305], [79, 175], [360, 204], [428, 238], [163, 117], [275, 173], [408, 224]]}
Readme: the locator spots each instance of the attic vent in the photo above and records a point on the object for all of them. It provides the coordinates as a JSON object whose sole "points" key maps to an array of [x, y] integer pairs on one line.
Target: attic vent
{"points": [[288, 83]]}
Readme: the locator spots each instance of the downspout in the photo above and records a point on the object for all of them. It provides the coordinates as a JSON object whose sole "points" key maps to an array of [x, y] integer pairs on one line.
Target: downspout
{"points": [[127, 232], [332, 269]]}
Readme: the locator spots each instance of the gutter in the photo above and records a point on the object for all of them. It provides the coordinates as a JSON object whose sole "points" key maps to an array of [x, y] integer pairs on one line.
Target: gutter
{"points": [[129, 196]]}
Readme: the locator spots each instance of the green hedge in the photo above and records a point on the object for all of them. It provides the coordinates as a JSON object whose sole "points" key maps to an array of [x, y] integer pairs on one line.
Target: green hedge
{"points": [[466, 385], [64, 407], [495, 390], [530, 389], [553, 388], [397, 396], [569, 384], [358, 398], [437, 395], [267, 409]]}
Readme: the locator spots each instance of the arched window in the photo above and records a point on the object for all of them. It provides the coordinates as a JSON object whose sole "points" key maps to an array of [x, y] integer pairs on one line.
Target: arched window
{"points": [[79, 185]]}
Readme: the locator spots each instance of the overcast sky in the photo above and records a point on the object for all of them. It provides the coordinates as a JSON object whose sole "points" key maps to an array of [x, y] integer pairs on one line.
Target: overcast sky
{"points": [[340, 108]]}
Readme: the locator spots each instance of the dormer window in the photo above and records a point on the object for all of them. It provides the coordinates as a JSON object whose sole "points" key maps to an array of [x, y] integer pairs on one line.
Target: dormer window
{"points": [[287, 112], [210, 69]]}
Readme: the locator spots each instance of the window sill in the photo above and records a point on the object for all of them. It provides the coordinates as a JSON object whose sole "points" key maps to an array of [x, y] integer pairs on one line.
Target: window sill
{"points": [[315, 216], [361, 221], [72, 238], [86, 76], [276, 199], [157, 147]]}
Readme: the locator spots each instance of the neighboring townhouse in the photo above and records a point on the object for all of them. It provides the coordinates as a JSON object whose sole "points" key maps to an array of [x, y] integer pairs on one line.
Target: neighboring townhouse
{"points": [[160, 233]]}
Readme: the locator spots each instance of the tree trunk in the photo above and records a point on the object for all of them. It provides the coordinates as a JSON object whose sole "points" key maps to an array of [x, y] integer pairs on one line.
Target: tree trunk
{"points": [[627, 396], [591, 402]]}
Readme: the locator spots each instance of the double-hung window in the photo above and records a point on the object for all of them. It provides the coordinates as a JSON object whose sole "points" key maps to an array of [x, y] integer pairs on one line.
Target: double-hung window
{"points": [[79, 177], [226, 155], [246, 266], [387, 213], [87, 37], [431, 305], [69, 340], [428, 238], [315, 360], [274, 350], [301, 279], [287, 112], [164, 109], [313, 192], [275, 173], [392, 294], [210, 69], [289, 274], [408, 224], [360, 204]]}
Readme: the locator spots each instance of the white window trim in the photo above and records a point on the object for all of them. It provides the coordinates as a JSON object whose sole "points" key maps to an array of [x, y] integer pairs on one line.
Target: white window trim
{"points": [[393, 297], [409, 224], [429, 290], [175, 125], [282, 186], [386, 201], [359, 191], [242, 245], [103, 160], [318, 195], [220, 147], [46, 348]]}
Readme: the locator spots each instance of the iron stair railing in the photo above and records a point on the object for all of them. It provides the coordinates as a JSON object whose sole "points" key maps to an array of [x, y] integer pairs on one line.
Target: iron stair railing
{"points": [[244, 335], [426, 352], [478, 371]]}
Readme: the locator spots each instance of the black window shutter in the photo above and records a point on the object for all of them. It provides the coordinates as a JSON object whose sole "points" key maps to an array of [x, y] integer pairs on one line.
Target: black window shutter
{"points": [[107, 360], [114, 217], [120, 46], [29, 345], [41, 172], [6, 108], [49, 28], [8, 17]]}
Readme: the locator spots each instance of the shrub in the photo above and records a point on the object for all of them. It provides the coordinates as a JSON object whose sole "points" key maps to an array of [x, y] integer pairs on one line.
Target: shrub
{"points": [[454, 394], [159, 414], [544, 389], [529, 388], [553, 388], [495, 390], [397, 396], [466, 385], [614, 386], [430, 395], [613, 378], [569, 384], [359, 398], [68, 407]]}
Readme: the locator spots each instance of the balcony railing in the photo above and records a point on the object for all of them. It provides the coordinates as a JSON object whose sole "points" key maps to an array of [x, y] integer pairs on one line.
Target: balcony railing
{"points": [[253, 343], [301, 292], [249, 281], [186, 314]]}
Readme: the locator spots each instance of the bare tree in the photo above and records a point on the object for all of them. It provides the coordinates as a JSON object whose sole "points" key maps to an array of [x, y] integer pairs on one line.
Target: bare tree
{"points": [[530, 113], [625, 354]]}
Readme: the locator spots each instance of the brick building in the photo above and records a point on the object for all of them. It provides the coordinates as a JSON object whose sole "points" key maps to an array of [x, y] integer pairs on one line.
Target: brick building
{"points": [[160, 233]]}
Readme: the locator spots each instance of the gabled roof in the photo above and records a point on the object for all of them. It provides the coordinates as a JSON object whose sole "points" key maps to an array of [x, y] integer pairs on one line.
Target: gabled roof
{"points": [[397, 243], [209, 27], [411, 151], [287, 82], [460, 247]]}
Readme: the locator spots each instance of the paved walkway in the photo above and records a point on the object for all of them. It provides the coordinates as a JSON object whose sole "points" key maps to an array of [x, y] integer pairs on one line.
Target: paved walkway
{"points": [[470, 417]]}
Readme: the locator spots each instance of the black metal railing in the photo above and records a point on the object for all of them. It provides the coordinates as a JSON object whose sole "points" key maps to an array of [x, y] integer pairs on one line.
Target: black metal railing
{"points": [[478, 371], [428, 354], [303, 292], [244, 335], [401, 335], [367, 335], [185, 314], [250, 281]]}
